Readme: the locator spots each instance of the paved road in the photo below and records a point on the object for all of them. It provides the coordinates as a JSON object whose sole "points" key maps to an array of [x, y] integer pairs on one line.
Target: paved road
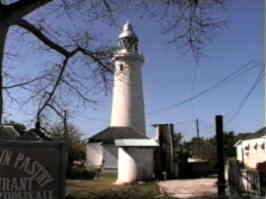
{"points": [[191, 188]]}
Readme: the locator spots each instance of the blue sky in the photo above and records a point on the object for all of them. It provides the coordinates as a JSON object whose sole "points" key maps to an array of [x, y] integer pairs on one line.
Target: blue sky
{"points": [[168, 75]]}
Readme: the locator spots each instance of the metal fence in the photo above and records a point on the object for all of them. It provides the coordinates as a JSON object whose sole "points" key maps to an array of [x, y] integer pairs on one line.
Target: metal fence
{"points": [[251, 182], [245, 182]]}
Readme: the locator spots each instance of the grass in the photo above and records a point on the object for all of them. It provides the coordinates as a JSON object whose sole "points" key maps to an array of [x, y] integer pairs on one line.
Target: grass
{"points": [[81, 173], [104, 188]]}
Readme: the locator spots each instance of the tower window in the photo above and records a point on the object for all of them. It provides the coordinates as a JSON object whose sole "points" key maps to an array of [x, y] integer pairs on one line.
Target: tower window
{"points": [[121, 67]]}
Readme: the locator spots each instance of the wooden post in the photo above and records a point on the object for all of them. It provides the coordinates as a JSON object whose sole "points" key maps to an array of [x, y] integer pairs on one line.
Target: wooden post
{"points": [[65, 126], [171, 149], [164, 155], [220, 155]]}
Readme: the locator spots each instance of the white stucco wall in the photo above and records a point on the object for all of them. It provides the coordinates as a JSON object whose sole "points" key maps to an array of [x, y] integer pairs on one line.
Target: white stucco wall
{"points": [[253, 155], [97, 152], [94, 155], [239, 153], [110, 155], [135, 164]]}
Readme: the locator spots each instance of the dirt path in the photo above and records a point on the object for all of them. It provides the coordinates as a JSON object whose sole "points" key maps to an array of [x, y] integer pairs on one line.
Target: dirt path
{"points": [[192, 188]]}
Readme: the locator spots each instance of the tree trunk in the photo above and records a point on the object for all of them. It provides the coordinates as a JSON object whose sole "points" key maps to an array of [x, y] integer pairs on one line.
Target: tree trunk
{"points": [[3, 35]]}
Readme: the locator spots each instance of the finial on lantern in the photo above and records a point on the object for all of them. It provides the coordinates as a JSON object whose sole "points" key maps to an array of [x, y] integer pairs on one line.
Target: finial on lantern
{"points": [[128, 40]]}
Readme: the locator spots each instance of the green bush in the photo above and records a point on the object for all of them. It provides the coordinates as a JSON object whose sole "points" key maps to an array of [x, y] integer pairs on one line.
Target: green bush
{"points": [[81, 173], [181, 155]]}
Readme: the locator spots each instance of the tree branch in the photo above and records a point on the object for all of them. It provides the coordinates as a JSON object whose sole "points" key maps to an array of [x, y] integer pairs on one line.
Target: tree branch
{"points": [[61, 50], [78, 92], [56, 47], [19, 9], [56, 111], [94, 57], [42, 37], [22, 83], [51, 94]]}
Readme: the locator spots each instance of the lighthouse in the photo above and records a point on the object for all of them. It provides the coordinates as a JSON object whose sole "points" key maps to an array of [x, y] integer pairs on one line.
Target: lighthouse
{"points": [[128, 102], [106, 149]]}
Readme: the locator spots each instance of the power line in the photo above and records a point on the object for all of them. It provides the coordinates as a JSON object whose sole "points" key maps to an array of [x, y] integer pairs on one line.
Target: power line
{"points": [[180, 122], [97, 119], [260, 77], [184, 121], [232, 76]]}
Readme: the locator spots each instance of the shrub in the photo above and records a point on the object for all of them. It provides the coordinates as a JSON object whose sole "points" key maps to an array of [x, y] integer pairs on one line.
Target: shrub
{"points": [[181, 155], [81, 173]]}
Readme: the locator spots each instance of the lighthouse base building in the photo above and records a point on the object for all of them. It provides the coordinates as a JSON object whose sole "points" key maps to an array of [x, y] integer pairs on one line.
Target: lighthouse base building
{"points": [[124, 151], [101, 147]]}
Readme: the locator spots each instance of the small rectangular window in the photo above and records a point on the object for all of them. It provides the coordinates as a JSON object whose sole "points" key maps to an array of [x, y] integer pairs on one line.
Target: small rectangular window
{"points": [[121, 67]]}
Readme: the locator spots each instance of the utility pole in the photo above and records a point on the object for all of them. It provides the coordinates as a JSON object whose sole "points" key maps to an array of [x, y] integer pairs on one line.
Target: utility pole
{"points": [[197, 128], [198, 134], [220, 154]]}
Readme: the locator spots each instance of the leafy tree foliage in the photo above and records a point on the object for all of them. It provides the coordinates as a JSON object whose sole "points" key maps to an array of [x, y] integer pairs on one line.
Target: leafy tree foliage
{"points": [[178, 138], [76, 150], [181, 153], [205, 148], [72, 136], [202, 148]]}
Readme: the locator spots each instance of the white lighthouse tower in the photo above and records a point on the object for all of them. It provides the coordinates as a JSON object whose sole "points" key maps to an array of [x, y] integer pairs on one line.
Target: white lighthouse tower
{"points": [[123, 146], [128, 102], [265, 64]]}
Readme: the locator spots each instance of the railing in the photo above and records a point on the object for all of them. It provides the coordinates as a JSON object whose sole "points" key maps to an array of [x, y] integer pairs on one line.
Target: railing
{"points": [[251, 182], [245, 182]]}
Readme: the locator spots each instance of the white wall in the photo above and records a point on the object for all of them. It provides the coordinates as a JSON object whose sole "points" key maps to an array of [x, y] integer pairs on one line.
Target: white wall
{"points": [[239, 153], [252, 156], [135, 164], [94, 155], [96, 152], [110, 155]]}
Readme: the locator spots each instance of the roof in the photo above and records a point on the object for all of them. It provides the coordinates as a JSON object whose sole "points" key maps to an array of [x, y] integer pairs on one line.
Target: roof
{"points": [[108, 135], [258, 134], [238, 143], [136, 143], [127, 31]]}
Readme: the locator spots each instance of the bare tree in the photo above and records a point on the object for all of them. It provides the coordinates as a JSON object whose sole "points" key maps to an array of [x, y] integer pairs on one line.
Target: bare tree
{"points": [[189, 21]]}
